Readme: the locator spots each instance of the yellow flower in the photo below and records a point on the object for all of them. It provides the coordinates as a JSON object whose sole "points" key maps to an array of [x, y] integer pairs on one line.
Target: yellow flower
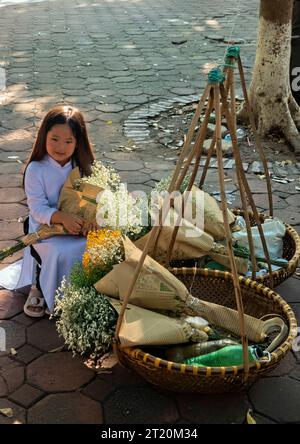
{"points": [[104, 248]]}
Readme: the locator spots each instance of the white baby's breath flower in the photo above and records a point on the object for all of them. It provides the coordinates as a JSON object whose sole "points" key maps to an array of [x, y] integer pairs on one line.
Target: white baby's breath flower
{"points": [[102, 176], [86, 319], [123, 211], [163, 184]]}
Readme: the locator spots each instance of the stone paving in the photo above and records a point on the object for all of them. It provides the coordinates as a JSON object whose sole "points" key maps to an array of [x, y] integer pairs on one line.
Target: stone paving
{"points": [[114, 60]]}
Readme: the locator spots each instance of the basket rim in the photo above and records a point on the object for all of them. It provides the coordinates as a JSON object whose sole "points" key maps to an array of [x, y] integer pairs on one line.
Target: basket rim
{"points": [[276, 355], [283, 273]]}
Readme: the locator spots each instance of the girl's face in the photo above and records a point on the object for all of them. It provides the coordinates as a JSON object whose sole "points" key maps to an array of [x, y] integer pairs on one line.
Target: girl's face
{"points": [[60, 143]]}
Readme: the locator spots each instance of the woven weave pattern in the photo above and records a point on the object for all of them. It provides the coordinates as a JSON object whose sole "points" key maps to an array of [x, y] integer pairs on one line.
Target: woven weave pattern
{"points": [[217, 287]]}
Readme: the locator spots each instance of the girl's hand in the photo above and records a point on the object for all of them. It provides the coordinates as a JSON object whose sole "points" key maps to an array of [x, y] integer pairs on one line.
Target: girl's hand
{"points": [[89, 226], [73, 224]]}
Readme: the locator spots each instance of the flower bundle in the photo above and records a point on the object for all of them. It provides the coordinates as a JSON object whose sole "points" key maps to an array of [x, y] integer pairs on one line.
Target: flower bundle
{"points": [[243, 252], [102, 176], [124, 211], [104, 248], [86, 319], [116, 208], [43, 233], [164, 184]]}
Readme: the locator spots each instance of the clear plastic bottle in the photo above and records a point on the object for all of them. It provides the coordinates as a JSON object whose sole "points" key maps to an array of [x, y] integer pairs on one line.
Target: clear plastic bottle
{"points": [[240, 133], [226, 357]]}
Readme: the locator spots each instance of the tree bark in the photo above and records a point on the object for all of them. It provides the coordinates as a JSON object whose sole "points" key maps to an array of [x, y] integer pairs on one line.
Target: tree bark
{"points": [[274, 106]]}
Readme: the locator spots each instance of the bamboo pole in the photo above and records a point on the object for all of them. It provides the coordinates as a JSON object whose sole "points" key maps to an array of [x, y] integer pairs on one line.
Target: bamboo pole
{"points": [[239, 179], [197, 153], [230, 86], [198, 144], [213, 142], [189, 137], [239, 166], [181, 161], [234, 272], [162, 213], [207, 162]]}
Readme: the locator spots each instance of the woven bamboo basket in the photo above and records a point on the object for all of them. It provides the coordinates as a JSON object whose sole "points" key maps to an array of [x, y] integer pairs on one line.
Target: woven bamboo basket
{"points": [[291, 252], [217, 287]]}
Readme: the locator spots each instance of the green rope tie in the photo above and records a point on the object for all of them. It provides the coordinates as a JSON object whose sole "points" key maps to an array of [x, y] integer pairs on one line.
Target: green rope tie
{"points": [[232, 52], [215, 76]]}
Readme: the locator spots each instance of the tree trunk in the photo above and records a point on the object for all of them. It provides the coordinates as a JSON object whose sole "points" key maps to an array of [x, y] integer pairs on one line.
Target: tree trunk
{"points": [[274, 106]]}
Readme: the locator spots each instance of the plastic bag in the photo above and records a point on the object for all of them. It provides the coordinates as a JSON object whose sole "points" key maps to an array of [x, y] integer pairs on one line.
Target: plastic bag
{"points": [[274, 231]]}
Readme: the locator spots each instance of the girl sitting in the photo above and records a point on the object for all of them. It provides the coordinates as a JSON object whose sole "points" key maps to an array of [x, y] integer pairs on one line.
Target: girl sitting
{"points": [[62, 143]]}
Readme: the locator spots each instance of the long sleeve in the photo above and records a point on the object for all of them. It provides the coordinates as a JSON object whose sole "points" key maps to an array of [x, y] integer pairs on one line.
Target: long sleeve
{"points": [[37, 200]]}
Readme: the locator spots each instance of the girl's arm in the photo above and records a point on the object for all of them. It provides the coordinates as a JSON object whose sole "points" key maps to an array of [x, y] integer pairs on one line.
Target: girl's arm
{"points": [[39, 206], [37, 201]]}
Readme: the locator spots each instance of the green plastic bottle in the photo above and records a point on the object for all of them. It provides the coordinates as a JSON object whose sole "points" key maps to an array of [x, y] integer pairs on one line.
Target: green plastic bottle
{"points": [[226, 357], [181, 352]]}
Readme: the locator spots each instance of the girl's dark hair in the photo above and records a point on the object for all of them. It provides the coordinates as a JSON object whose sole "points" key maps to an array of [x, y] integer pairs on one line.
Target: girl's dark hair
{"points": [[83, 156]]}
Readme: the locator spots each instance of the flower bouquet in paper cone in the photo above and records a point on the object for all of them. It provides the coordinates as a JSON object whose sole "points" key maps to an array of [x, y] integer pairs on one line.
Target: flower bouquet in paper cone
{"points": [[88, 329], [194, 241], [161, 308], [86, 318], [158, 290]]}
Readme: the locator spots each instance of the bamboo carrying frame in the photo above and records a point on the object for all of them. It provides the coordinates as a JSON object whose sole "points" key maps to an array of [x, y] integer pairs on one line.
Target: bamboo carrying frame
{"points": [[291, 241], [216, 95]]}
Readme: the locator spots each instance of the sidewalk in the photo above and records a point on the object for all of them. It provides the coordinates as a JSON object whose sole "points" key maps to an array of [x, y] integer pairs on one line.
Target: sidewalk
{"points": [[114, 59]]}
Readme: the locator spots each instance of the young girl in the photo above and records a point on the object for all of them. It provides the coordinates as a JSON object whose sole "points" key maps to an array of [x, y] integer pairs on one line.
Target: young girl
{"points": [[62, 143]]}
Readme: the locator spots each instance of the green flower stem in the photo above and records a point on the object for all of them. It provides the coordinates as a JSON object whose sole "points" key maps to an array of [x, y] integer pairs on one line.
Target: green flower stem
{"points": [[9, 251], [244, 253], [88, 199]]}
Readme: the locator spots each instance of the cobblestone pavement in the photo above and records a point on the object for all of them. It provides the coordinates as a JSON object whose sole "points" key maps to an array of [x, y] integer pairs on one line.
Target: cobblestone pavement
{"points": [[113, 59]]}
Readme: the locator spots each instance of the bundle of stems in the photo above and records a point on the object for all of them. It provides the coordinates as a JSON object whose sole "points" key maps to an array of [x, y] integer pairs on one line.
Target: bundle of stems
{"points": [[243, 252], [9, 251], [42, 233]]}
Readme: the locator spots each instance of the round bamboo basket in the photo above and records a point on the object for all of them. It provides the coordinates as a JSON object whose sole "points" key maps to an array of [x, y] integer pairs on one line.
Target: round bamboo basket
{"points": [[291, 252], [217, 287]]}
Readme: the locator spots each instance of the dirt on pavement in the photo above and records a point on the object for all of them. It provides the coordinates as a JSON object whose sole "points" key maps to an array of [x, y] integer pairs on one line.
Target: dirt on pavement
{"points": [[170, 127]]}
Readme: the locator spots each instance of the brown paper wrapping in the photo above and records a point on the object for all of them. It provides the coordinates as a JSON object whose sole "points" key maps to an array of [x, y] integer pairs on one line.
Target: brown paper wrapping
{"points": [[227, 318], [156, 287], [80, 202], [213, 216], [69, 198], [191, 242], [146, 327]]}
